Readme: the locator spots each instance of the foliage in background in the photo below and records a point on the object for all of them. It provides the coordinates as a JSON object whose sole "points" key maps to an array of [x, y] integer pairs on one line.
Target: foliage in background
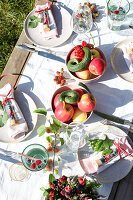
{"points": [[12, 16]]}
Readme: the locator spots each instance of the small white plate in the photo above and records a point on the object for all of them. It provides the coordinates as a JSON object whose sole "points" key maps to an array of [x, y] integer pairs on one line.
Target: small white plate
{"points": [[62, 19], [119, 169], [118, 63], [27, 106]]}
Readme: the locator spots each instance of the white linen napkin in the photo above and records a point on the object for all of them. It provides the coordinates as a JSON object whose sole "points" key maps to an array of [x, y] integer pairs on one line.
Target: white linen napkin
{"points": [[20, 129]]}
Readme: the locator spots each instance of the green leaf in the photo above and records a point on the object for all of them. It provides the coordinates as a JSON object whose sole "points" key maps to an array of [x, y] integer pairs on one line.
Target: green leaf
{"points": [[107, 152], [49, 139], [62, 141], [58, 159], [69, 133], [41, 130], [33, 17], [42, 188], [57, 122], [39, 19], [1, 123], [41, 111], [51, 178], [1, 107], [56, 171], [32, 24], [45, 193], [5, 118]]}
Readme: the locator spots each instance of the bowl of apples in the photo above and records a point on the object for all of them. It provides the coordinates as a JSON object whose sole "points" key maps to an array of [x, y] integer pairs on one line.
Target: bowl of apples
{"points": [[72, 104], [86, 63]]}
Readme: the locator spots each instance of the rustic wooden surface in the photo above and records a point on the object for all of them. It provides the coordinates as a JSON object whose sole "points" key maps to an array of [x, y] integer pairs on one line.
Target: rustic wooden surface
{"points": [[16, 62]]}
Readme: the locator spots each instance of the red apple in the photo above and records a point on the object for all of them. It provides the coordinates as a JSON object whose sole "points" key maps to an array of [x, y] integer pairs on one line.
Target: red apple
{"points": [[87, 102], [83, 74], [79, 91], [64, 113], [56, 101], [97, 66]]}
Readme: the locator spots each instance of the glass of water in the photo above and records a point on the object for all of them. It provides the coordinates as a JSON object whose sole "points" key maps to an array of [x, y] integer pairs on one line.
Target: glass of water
{"points": [[116, 13], [81, 22]]}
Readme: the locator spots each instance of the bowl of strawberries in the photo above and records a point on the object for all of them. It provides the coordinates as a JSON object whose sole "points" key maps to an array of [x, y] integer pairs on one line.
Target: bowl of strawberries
{"points": [[86, 63], [72, 104]]}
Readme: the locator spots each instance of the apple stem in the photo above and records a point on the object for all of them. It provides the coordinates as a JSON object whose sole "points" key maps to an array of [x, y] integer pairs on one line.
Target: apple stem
{"points": [[64, 104]]}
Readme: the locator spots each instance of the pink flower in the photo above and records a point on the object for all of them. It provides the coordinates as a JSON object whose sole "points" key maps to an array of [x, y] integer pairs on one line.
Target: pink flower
{"points": [[82, 181]]}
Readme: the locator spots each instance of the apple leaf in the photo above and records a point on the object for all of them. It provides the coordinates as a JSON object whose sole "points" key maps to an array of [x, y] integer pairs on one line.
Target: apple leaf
{"points": [[51, 178], [41, 130], [61, 141], [57, 122], [69, 133], [58, 159], [41, 111], [49, 139]]}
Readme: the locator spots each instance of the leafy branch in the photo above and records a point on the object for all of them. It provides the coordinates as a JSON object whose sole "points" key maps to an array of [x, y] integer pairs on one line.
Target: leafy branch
{"points": [[55, 127], [33, 21], [3, 116]]}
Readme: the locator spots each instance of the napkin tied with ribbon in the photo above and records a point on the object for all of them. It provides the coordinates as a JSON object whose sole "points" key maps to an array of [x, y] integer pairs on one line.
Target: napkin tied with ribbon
{"points": [[48, 27], [20, 128]]}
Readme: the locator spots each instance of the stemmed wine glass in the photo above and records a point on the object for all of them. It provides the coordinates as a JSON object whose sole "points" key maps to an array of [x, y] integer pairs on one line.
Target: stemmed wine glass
{"points": [[81, 22]]}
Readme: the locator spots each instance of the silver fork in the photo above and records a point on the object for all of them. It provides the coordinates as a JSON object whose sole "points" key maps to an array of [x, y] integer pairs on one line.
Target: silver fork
{"points": [[108, 122]]}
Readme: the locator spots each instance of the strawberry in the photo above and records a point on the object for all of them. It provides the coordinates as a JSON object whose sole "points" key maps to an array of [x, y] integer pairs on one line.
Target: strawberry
{"points": [[33, 166], [38, 162]]}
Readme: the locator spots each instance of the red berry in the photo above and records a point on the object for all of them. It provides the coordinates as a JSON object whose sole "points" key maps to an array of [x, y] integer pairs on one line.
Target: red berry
{"points": [[52, 193], [61, 180], [38, 162], [82, 181], [116, 12], [33, 166], [61, 77], [62, 193], [68, 189], [84, 44], [64, 177], [56, 149], [50, 183], [63, 81], [47, 168], [51, 198], [48, 130], [50, 161], [58, 73], [79, 15], [52, 186], [49, 149], [61, 74]]}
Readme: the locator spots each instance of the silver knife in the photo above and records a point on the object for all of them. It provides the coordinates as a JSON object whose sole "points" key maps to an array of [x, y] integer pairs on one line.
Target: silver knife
{"points": [[33, 48]]}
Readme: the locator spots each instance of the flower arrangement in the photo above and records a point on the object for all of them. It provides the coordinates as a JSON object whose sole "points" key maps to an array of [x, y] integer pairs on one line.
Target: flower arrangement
{"points": [[73, 188]]}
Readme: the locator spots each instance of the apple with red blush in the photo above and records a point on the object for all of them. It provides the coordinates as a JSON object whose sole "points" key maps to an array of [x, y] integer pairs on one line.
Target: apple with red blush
{"points": [[97, 66], [64, 112], [84, 74], [56, 101], [87, 102], [79, 91]]}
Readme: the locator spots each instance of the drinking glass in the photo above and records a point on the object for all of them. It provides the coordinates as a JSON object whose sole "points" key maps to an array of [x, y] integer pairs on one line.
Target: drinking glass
{"points": [[116, 13], [38, 152], [81, 22], [18, 172]]}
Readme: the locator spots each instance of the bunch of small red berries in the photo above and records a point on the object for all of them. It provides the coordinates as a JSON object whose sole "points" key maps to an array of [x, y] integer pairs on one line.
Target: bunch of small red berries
{"points": [[59, 78], [72, 188]]}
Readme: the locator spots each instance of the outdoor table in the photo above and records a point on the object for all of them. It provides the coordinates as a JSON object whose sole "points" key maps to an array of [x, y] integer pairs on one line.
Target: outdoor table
{"points": [[113, 94]]}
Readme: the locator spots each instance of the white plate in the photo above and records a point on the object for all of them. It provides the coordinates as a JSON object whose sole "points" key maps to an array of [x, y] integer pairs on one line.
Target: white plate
{"points": [[62, 19], [27, 107], [119, 169], [118, 62]]}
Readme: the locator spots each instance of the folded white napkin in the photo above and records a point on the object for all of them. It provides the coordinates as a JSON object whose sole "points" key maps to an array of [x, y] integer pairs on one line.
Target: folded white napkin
{"points": [[52, 33], [20, 129], [128, 56]]}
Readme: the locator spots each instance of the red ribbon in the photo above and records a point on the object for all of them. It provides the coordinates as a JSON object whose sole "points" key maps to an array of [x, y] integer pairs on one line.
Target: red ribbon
{"points": [[121, 150], [6, 96], [48, 8]]}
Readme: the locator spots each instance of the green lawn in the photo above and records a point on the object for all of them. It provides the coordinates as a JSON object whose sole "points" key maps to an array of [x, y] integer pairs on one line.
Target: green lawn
{"points": [[12, 16]]}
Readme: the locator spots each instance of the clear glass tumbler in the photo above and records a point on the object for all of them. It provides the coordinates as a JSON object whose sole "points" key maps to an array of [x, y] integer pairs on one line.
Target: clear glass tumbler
{"points": [[116, 13]]}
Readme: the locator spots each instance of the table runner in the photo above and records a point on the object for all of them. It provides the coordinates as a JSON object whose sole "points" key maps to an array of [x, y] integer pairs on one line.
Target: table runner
{"points": [[113, 94]]}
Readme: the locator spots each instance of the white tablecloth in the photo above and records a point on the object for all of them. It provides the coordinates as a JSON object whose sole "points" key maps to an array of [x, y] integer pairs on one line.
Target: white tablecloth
{"points": [[113, 94]]}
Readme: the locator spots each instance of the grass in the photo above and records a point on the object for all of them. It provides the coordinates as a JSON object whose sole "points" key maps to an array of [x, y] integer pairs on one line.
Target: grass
{"points": [[12, 16]]}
